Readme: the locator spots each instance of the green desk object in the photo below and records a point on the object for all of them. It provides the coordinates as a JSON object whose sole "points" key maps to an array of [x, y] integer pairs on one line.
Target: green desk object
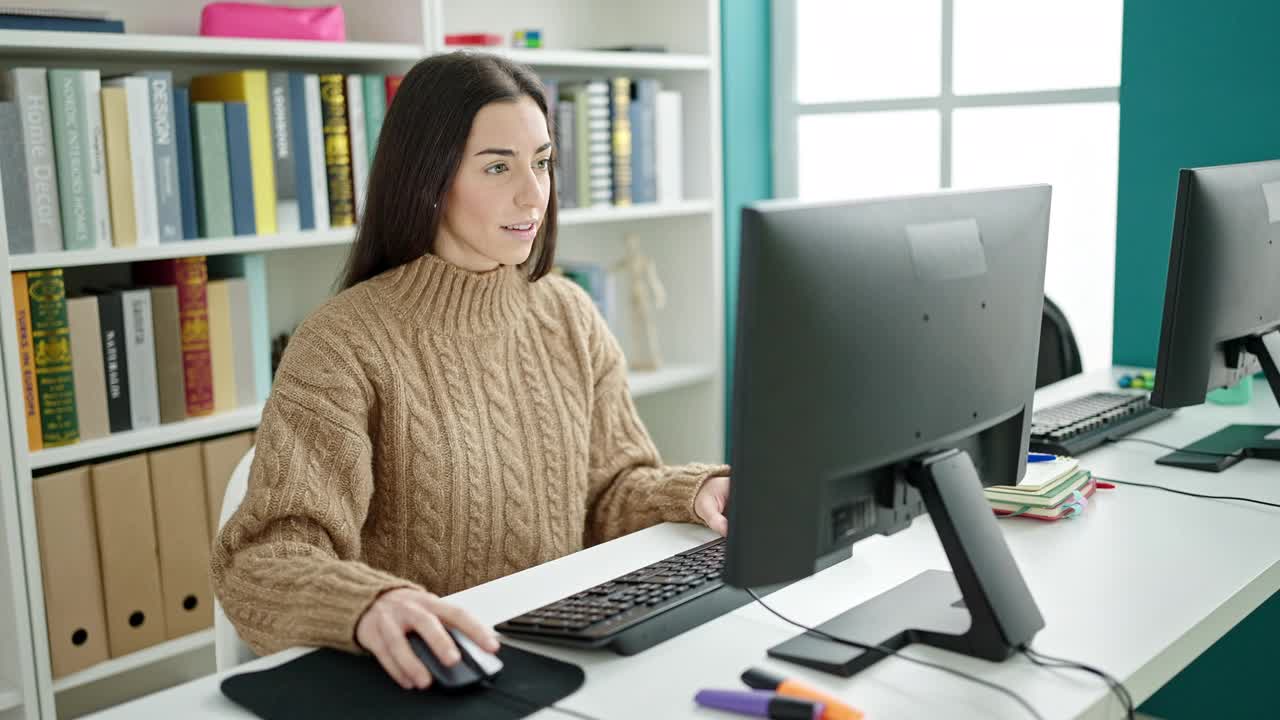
{"points": [[1238, 394]]}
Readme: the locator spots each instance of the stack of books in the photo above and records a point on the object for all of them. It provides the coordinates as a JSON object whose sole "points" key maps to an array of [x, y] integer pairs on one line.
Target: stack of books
{"points": [[1050, 490]]}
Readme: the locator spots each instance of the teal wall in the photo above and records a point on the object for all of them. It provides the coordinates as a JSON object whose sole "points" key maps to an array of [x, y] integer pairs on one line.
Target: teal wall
{"points": [[1198, 87], [746, 77]]}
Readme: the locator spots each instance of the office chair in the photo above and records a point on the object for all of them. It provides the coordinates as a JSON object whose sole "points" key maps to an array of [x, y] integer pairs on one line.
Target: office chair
{"points": [[228, 649], [1059, 354]]}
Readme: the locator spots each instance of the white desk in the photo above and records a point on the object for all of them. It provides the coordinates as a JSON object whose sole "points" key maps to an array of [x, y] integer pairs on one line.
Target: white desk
{"points": [[1139, 585]]}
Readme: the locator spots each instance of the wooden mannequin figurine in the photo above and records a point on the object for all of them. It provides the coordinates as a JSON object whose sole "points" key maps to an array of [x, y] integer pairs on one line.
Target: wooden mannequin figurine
{"points": [[647, 295]]}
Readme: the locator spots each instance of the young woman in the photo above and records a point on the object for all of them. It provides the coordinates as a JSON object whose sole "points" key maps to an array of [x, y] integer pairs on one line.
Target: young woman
{"points": [[455, 414]]}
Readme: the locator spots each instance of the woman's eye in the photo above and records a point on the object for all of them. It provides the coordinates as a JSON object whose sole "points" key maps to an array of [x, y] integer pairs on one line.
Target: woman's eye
{"points": [[543, 164], [496, 168]]}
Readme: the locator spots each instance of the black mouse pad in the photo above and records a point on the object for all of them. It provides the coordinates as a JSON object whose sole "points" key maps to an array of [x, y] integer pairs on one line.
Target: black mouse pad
{"points": [[333, 684]]}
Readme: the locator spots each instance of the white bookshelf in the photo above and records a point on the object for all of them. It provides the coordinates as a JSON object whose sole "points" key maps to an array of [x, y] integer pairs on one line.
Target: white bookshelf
{"points": [[681, 404]]}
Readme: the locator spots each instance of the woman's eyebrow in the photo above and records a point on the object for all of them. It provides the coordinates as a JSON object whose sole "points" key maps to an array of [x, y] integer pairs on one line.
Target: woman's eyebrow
{"points": [[507, 152]]}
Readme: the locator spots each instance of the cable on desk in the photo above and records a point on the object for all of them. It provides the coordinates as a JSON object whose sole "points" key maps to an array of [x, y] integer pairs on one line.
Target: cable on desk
{"points": [[1189, 494], [889, 651], [1117, 687], [488, 685], [1206, 453]]}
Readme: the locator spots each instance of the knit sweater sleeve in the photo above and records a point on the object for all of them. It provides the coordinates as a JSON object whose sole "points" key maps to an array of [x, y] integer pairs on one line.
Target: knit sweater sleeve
{"points": [[286, 566], [629, 488]]}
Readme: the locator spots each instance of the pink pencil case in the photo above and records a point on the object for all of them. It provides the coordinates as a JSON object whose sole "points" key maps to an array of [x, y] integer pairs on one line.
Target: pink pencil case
{"points": [[253, 20]]}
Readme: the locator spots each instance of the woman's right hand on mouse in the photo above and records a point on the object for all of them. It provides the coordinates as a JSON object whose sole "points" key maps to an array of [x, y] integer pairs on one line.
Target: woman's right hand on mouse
{"points": [[383, 627]]}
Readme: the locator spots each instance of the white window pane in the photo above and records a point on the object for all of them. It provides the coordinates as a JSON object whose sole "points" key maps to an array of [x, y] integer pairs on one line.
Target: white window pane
{"points": [[867, 50], [1075, 148], [1015, 45], [867, 154]]}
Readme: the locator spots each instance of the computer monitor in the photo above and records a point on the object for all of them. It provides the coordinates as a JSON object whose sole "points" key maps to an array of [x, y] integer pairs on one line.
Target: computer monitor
{"points": [[1222, 303], [885, 366]]}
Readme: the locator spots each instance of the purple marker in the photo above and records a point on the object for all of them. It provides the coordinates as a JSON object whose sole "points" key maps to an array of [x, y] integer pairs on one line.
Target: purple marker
{"points": [[760, 703]]}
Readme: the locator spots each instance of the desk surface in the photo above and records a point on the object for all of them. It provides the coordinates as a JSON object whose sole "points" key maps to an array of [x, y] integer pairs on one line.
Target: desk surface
{"points": [[1139, 585]]}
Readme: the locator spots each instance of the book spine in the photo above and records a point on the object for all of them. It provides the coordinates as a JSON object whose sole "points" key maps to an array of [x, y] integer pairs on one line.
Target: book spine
{"points": [[244, 203], [669, 146], [26, 362], [393, 84], [192, 280], [337, 151], [644, 184], [212, 170], [243, 348], [581, 131], [13, 181], [316, 146], [146, 218], [184, 145], [300, 147], [358, 150], [166, 324], [165, 150], [620, 116], [139, 347], [115, 361], [375, 111], [86, 367], [288, 207], [258, 106], [566, 156], [51, 347], [255, 275], [61, 24], [221, 349], [31, 90], [91, 83], [71, 149], [599, 143]]}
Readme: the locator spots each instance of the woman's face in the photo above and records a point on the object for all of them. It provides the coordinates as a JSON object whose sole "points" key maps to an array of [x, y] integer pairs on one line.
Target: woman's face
{"points": [[499, 196]]}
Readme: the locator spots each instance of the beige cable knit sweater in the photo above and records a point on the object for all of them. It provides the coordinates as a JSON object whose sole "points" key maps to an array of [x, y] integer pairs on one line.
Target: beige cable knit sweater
{"points": [[438, 428]]}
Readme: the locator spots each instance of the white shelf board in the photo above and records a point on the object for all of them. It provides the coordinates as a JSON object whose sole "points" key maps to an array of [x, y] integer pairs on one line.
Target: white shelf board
{"points": [[135, 440], [200, 640], [185, 248], [668, 378], [644, 211], [97, 46], [10, 697], [601, 59]]}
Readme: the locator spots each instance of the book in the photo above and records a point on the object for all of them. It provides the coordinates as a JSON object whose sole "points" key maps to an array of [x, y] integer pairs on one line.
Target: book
{"points": [[190, 275], [375, 110], [71, 143], [184, 143], [115, 360], [1057, 512], [139, 343], [252, 269], [316, 148], [644, 176], [669, 146], [1048, 497], [598, 144], [13, 181], [620, 122], [283, 127], [244, 205], [212, 168], [249, 87], [51, 348], [137, 94], [29, 88], [165, 149], [359, 152], [221, 346], [59, 24], [166, 324], [26, 361], [91, 84], [87, 368], [115, 130], [337, 150], [393, 84], [1040, 475]]}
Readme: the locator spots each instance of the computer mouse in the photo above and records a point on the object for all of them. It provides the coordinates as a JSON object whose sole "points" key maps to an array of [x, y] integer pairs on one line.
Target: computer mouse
{"points": [[476, 664]]}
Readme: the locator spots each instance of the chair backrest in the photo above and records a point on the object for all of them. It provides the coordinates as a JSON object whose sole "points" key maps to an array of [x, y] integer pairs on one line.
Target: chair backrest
{"points": [[1059, 354], [228, 649]]}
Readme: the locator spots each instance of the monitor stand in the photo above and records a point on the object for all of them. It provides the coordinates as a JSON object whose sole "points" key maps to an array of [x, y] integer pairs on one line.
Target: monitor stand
{"points": [[984, 609], [1230, 445]]}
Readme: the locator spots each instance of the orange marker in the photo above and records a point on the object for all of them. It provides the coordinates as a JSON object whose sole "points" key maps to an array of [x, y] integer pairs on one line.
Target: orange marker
{"points": [[834, 710]]}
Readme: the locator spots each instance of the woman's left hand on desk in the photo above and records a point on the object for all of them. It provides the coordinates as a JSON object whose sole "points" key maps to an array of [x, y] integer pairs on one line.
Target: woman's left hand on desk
{"points": [[710, 503]]}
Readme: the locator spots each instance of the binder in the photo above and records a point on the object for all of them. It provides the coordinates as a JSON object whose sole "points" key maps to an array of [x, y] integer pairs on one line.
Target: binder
{"points": [[127, 546], [220, 458], [177, 488], [68, 541]]}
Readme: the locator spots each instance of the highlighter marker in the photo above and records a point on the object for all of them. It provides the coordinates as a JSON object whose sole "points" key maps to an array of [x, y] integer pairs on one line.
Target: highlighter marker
{"points": [[759, 703], [833, 709]]}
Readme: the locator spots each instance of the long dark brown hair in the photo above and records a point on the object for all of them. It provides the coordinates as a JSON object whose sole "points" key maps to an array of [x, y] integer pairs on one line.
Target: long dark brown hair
{"points": [[423, 138]]}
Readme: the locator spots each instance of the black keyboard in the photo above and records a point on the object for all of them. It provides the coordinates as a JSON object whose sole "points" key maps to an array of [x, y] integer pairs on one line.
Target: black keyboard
{"points": [[1072, 427], [638, 610]]}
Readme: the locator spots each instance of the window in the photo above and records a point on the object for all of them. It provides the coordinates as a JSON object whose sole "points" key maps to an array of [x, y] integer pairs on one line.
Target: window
{"points": [[887, 97]]}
